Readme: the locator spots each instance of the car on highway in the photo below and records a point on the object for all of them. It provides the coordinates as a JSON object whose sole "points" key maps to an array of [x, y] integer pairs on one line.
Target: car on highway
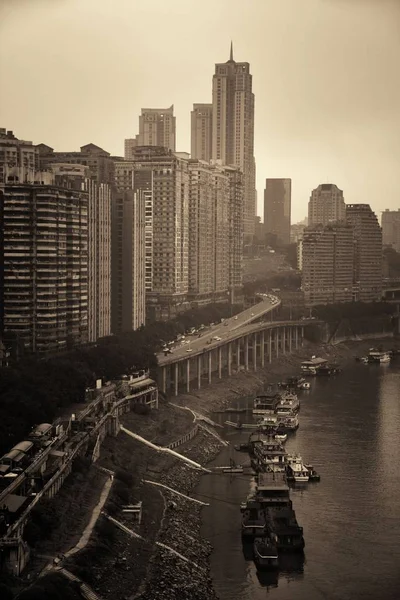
{"points": [[235, 318], [189, 350], [217, 338]]}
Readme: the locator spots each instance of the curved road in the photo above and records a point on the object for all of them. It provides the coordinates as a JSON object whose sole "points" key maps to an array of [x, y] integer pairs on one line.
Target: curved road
{"points": [[222, 330]]}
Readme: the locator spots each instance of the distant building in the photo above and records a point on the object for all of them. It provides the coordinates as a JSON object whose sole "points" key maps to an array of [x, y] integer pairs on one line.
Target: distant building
{"points": [[43, 248], [326, 205], [157, 127], [129, 147], [15, 153], [201, 131], [277, 209], [391, 228], [326, 258], [296, 230], [233, 129], [97, 160], [368, 251]]}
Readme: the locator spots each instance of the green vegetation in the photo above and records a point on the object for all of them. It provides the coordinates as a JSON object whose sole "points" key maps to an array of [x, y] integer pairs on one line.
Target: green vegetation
{"points": [[35, 390]]}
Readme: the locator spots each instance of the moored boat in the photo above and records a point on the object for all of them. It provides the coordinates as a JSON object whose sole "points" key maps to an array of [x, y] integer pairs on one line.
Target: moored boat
{"points": [[265, 553], [376, 356], [296, 470]]}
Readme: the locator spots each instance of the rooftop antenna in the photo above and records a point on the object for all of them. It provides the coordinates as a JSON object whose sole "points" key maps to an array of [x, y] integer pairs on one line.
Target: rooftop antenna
{"points": [[231, 52]]}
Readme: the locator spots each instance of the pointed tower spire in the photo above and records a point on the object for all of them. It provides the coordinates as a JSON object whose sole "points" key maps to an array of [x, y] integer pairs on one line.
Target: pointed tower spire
{"points": [[231, 53]]}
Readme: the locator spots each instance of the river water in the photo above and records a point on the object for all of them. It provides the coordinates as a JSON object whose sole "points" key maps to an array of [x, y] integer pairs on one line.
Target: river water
{"points": [[350, 431]]}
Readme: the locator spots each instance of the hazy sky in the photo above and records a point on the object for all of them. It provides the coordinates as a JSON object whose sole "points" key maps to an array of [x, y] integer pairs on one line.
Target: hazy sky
{"points": [[326, 77]]}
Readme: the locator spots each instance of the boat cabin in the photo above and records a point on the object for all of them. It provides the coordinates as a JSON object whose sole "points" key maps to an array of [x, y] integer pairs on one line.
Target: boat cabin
{"points": [[311, 366]]}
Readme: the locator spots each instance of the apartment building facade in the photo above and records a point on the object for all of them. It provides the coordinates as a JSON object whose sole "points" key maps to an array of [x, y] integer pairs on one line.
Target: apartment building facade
{"points": [[44, 282], [15, 153], [327, 263], [368, 259]]}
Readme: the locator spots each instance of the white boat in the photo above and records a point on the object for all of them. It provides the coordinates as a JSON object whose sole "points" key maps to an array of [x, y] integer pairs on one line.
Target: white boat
{"points": [[377, 356], [297, 470], [281, 437]]}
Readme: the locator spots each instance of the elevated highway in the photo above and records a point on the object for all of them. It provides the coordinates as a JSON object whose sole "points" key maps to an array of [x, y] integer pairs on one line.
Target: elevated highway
{"points": [[251, 344]]}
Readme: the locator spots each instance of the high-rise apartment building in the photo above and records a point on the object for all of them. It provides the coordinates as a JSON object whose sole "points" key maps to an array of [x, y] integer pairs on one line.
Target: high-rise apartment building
{"points": [[327, 263], [157, 127], [163, 177], [209, 229], [43, 247], [368, 251], [326, 205], [99, 244], [128, 252], [201, 131], [233, 129], [277, 208], [15, 153], [391, 228]]}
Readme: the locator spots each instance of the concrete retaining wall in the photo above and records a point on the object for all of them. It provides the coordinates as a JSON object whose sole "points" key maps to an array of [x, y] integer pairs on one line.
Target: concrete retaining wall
{"points": [[185, 438]]}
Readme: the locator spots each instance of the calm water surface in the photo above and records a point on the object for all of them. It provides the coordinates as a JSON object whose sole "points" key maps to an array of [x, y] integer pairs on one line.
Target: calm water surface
{"points": [[350, 431]]}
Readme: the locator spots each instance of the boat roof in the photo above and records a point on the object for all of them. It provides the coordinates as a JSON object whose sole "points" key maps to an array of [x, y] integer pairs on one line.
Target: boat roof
{"points": [[314, 362], [272, 481]]}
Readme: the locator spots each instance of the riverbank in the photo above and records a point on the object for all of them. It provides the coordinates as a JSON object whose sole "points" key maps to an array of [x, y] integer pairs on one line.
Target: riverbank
{"points": [[119, 566], [222, 393]]}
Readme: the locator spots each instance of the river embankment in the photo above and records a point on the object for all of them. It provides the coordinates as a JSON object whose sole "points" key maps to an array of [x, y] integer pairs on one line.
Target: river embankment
{"points": [[123, 567]]}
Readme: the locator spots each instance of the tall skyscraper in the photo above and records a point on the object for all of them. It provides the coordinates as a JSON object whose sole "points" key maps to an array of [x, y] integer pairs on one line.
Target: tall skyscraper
{"points": [[391, 228], [43, 247], [128, 303], [326, 205], [277, 207], [327, 263], [157, 127], [368, 251], [233, 128], [201, 131]]}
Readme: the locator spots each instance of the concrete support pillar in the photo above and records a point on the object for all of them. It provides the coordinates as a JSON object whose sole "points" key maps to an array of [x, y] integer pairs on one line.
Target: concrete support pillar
{"points": [[276, 343], [220, 362], [229, 358], [176, 379], [209, 366], [255, 351], [188, 375], [238, 355], [302, 335], [199, 369], [290, 338], [296, 337], [270, 346], [284, 340], [262, 349], [246, 353], [164, 380]]}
